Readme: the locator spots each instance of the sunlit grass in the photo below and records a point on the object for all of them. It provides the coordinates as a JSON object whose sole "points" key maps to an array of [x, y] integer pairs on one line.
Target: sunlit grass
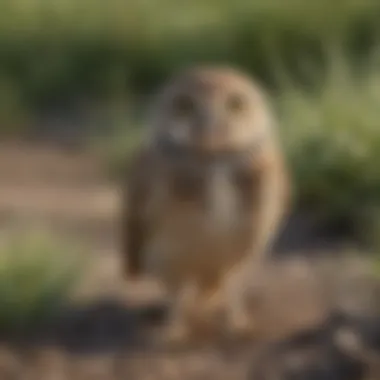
{"points": [[37, 275], [332, 138], [52, 50]]}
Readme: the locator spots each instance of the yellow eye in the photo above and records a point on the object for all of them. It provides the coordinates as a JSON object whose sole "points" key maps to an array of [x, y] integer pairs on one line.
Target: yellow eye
{"points": [[183, 105], [235, 103]]}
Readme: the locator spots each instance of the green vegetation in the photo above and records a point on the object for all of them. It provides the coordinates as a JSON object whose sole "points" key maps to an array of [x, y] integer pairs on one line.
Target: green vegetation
{"points": [[51, 51], [37, 274], [332, 139], [118, 146]]}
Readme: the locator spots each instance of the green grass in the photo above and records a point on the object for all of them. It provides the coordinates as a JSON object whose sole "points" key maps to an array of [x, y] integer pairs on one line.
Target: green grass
{"points": [[332, 139], [116, 148], [50, 51], [37, 275]]}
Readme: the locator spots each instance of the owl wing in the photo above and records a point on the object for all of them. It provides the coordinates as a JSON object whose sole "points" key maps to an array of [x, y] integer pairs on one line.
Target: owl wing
{"points": [[133, 223], [274, 200]]}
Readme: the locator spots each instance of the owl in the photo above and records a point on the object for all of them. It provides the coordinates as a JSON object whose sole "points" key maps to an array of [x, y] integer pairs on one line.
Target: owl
{"points": [[206, 194]]}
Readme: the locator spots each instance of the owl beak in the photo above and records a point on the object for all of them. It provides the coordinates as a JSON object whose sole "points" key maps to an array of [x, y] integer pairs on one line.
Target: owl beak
{"points": [[209, 141], [208, 133]]}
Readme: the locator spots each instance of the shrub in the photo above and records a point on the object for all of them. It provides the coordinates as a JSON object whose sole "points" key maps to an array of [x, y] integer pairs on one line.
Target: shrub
{"points": [[332, 139], [37, 274], [116, 149], [50, 51]]}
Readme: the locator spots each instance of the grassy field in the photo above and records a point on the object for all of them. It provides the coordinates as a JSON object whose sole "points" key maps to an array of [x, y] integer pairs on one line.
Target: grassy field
{"points": [[54, 51], [65, 309]]}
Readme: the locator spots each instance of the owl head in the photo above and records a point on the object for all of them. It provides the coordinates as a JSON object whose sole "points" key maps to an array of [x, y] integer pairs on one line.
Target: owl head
{"points": [[211, 109]]}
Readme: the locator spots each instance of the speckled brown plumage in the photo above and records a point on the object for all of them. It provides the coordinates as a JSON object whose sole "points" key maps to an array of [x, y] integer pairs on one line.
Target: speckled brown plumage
{"points": [[206, 193]]}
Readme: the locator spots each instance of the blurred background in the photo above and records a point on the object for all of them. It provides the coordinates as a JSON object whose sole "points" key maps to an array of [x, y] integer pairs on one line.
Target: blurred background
{"points": [[75, 78]]}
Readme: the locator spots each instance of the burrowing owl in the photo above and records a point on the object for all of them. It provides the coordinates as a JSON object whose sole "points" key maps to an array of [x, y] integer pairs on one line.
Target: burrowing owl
{"points": [[206, 193]]}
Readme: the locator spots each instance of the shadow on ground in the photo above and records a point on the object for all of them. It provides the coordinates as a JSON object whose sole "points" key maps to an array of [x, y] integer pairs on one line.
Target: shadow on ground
{"points": [[100, 327]]}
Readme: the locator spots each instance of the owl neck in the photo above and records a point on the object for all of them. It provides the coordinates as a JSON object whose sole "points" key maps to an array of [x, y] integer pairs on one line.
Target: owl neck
{"points": [[174, 151]]}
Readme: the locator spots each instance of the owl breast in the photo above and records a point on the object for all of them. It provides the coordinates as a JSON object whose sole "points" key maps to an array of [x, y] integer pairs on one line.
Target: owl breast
{"points": [[223, 207], [201, 222]]}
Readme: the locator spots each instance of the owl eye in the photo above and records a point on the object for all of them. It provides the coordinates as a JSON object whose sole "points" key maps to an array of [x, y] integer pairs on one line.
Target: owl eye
{"points": [[183, 105], [235, 103]]}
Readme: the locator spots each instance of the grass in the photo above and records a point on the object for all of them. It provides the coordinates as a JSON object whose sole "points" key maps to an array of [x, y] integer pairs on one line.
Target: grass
{"points": [[37, 275], [333, 142], [50, 51], [117, 147]]}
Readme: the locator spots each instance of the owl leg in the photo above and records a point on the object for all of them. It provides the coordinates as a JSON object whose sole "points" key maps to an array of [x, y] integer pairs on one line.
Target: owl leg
{"points": [[193, 314], [210, 307], [239, 319], [178, 328], [237, 294]]}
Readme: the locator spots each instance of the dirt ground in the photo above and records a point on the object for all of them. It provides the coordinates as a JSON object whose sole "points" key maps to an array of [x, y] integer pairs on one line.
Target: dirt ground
{"points": [[107, 336]]}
